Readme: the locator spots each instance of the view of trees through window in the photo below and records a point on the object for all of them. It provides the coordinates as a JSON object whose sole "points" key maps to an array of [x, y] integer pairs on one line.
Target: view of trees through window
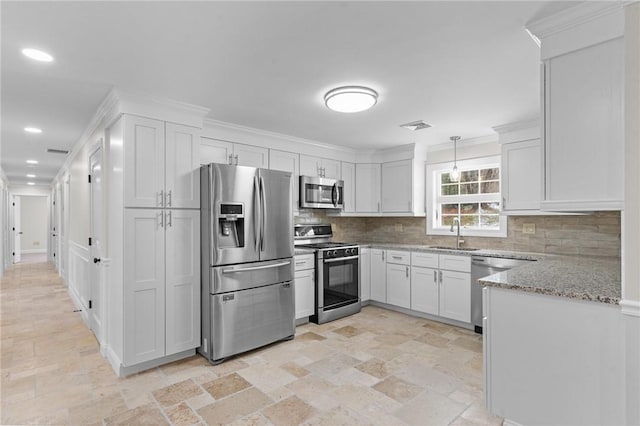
{"points": [[474, 198]]}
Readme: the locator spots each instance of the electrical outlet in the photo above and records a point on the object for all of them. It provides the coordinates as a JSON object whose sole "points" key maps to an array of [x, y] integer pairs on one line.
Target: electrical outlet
{"points": [[398, 227], [529, 228]]}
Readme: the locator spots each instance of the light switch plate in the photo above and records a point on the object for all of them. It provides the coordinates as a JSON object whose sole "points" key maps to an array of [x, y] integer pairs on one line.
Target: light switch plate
{"points": [[529, 228]]}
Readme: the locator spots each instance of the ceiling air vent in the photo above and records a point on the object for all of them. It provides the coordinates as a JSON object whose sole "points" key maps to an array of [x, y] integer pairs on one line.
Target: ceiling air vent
{"points": [[57, 151], [416, 125]]}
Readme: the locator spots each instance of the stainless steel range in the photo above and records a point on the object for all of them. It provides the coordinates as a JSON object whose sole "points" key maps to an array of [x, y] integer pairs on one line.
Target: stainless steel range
{"points": [[337, 272]]}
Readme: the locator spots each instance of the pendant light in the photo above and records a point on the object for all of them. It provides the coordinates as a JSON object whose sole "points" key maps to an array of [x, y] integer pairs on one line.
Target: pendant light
{"points": [[455, 174]]}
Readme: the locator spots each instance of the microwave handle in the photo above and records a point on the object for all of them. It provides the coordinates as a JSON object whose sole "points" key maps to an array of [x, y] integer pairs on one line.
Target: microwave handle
{"points": [[334, 197]]}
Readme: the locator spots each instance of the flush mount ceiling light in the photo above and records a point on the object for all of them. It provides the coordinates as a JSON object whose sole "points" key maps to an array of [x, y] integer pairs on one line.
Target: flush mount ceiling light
{"points": [[32, 130], [416, 125], [350, 99], [37, 55], [455, 174], [31, 176], [32, 161], [30, 183]]}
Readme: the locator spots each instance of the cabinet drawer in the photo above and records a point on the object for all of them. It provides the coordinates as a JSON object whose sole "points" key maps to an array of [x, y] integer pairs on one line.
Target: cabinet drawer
{"points": [[455, 263], [399, 257], [304, 261], [424, 260]]}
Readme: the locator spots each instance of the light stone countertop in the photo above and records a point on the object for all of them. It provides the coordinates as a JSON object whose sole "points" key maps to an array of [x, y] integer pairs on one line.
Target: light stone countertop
{"points": [[299, 251], [589, 278]]}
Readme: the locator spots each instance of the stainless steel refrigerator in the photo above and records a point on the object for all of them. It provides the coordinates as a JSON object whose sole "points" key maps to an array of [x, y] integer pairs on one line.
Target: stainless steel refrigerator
{"points": [[247, 259]]}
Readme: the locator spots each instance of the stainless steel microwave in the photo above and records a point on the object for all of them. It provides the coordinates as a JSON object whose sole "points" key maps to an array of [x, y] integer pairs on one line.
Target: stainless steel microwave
{"points": [[321, 193]]}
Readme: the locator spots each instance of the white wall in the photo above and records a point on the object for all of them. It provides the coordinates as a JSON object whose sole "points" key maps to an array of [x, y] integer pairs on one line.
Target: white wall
{"points": [[33, 223]]}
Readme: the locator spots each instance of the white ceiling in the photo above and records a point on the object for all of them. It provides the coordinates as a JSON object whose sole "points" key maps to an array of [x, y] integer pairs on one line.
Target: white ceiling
{"points": [[461, 66]]}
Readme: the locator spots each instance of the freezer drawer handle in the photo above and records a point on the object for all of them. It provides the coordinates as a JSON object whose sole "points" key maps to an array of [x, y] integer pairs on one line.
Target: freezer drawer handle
{"points": [[255, 268]]}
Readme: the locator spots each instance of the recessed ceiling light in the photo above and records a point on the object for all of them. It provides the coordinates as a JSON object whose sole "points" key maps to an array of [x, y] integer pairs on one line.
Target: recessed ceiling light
{"points": [[30, 183], [37, 55], [32, 161], [31, 176], [350, 99], [32, 130]]}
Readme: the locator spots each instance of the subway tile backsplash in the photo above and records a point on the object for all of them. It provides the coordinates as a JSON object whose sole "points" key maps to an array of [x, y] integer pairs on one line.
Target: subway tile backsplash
{"points": [[594, 234]]}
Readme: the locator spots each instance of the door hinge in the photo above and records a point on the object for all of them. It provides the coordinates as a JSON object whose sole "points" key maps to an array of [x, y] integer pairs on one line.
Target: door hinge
{"points": [[89, 240], [89, 178], [90, 304]]}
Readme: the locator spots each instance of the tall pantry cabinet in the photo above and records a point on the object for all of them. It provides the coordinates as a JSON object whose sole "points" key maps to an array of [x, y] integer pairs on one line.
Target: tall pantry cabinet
{"points": [[154, 168]]}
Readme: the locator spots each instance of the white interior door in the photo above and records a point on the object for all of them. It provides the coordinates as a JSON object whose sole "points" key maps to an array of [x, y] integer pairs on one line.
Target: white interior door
{"points": [[96, 299], [17, 229]]}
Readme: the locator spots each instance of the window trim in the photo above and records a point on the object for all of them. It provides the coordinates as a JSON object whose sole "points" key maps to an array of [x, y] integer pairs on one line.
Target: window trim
{"points": [[431, 196]]}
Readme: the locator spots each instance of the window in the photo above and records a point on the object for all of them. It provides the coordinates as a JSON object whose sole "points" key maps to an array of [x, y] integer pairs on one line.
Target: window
{"points": [[474, 199]]}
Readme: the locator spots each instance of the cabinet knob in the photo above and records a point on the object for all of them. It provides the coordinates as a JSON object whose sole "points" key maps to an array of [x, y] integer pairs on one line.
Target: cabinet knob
{"points": [[96, 260]]}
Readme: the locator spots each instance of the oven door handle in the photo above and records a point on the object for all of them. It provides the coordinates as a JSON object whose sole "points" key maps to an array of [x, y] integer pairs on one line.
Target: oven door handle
{"points": [[339, 259]]}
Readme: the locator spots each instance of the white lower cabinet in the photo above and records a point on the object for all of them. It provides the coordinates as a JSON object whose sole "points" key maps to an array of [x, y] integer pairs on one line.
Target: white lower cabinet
{"points": [[398, 278], [365, 274], [305, 285], [161, 283], [378, 276], [455, 295], [425, 288]]}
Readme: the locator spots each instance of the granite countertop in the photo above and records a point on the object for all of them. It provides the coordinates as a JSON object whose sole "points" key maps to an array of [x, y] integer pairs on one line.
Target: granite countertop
{"points": [[578, 277]]}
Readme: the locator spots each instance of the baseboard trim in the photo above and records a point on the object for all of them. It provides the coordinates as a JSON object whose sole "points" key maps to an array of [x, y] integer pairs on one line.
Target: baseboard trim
{"points": [[126, 371], [33, 251]]}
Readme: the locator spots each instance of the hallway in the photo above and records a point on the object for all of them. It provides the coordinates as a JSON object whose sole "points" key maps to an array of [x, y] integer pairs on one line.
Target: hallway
{"points": [[376, 367]]}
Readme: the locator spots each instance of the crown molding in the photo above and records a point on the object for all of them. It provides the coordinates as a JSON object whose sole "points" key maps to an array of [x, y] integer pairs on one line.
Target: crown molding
{"points": [[238, 128], [518, 125], [573, 17], [480, 140]]}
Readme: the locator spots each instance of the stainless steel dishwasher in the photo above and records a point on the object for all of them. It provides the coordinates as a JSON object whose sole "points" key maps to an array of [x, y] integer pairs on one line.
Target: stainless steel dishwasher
{"points": [[482, 266]]}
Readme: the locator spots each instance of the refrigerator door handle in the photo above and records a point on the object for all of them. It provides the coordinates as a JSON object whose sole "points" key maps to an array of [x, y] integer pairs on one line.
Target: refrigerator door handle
{"points": [[255, 268], [256, 212], [263, 199]]}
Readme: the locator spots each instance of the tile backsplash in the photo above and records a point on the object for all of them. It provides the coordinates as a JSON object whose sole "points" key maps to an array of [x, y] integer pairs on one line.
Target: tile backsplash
{"points": [[594, 234]]}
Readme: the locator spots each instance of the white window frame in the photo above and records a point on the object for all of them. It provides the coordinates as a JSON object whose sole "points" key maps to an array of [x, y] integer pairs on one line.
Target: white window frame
{"points": [[432, 185]]}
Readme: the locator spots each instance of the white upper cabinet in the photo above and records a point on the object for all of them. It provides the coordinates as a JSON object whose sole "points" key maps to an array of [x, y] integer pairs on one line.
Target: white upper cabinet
{"points": [[583, 80], [521, 167], [217, 151], [397, 186], [349, 192], [143, 162], [182, 158], [161, 164], [321, 167], [368, 188], [288, 162]]}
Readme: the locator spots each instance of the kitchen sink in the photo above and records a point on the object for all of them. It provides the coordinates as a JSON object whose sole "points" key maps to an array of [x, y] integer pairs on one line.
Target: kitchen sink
{"points": [[453, 248]]}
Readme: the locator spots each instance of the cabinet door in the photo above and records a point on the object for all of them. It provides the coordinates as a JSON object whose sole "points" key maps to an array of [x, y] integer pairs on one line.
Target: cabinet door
{"points": [[251, 156], [331, 168], [378, 276], [584, 162], [398, 285], [367, 188], [305, 293], [348, 171], [521, 175], [424, 290], [455, 295], [309, 166], [397, 186], [365, 274], [144, 285], [215, 151], [182, 178], [288, 162], [182, 280], [143, 162]]}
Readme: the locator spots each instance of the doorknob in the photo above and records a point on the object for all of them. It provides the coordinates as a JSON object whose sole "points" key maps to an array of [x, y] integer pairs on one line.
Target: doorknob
{"points": [[96, 260]]}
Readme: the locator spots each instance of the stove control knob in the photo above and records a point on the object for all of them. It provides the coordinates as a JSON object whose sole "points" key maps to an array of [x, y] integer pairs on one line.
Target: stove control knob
{"points": [[335, 253], [329, 253], [348, 251]]}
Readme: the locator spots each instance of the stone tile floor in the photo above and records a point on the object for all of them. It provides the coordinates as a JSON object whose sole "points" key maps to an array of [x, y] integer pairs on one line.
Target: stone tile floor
{"points": [[377, 367]]}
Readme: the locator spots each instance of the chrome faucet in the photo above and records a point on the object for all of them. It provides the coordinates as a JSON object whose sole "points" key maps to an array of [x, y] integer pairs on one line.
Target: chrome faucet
{"points": [[456, 222]]}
